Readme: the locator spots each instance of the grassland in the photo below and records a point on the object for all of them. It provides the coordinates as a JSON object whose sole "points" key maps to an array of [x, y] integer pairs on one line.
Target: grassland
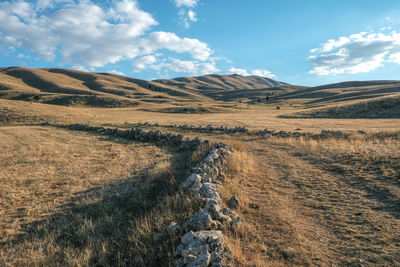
{"points": [[76, 199], [71, 198]]}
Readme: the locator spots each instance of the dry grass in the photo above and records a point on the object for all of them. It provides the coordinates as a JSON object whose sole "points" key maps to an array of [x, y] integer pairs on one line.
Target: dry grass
{"points": [[70, 198], [254, 117], [382, 107], [270, 233], [75, 199], [322, 202]]}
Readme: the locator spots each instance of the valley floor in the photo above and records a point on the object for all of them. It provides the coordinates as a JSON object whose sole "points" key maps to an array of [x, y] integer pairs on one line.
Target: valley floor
{"points": [[304, 202]]}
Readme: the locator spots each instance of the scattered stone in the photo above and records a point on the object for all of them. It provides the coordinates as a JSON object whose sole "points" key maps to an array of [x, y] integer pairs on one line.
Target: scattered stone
{"points": [[254, 206], [233, 202], [236, 223]]}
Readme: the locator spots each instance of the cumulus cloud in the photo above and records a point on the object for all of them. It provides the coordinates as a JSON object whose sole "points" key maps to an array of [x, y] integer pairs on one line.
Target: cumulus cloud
{"points": [[186, 3], [361, 52], [144, 62], [263, 73], [186, 13], [257, 72], [88, 35], [242, 72], [116, 72], [175, 65], [168, 40], [192, 15]]}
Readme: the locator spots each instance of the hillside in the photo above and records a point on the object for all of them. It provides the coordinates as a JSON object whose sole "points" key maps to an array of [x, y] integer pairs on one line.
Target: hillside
{"points": [[230, 87], [342, 92], [382, 107], [201, 94], [71, 87]]}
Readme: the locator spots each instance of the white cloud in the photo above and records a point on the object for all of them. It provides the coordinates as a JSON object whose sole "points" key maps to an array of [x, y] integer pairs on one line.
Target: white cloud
{"points": [[87, 34], [257, 72], [356, 53], [186, 13], [186, 3], [116, 72], [209, 68], [144, 62], [168, 40], [79, 67], [242, 72], [192, 15], [181, 66], [263, 73], [175, 65]]}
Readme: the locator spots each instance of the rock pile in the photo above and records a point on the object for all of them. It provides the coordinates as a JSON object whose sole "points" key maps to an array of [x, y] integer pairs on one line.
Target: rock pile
{"points": [[204, 244]]}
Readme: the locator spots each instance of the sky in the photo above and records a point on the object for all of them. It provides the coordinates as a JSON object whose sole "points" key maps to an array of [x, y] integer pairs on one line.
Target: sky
{"points": [[308, 42]]}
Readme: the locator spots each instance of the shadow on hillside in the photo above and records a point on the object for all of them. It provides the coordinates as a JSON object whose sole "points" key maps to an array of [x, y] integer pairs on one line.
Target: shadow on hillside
{"points": [[103, 225]]}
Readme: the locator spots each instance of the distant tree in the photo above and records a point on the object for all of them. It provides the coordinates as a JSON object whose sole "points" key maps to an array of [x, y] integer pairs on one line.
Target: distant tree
{"points": [[278, 107]]}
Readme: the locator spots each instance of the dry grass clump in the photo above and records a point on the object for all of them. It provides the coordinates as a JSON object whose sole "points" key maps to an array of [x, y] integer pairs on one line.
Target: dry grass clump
{"points": [[75, 199]]}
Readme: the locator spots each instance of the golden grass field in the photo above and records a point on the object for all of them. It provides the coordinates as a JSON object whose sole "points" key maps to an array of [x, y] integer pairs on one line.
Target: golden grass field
{"points": [[72, 198]]}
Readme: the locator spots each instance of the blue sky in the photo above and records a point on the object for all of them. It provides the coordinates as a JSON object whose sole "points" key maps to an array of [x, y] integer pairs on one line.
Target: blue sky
{"points": [[300, 42]]}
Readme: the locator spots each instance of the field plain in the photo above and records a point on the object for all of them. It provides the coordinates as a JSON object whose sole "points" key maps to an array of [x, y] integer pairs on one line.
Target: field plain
{"points": [[71, 198]]}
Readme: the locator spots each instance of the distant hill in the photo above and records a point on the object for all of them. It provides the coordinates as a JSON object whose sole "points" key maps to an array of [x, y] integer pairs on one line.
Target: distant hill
{"points": [[201, 94], [381, 107], [342, 92], [230, 87], [71, 87]]}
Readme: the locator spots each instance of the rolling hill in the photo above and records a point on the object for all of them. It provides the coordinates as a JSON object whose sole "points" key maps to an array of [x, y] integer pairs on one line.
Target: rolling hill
{"points": [[342, 92], [70, 87], [380, 107], [201, 94], [231, 87]]}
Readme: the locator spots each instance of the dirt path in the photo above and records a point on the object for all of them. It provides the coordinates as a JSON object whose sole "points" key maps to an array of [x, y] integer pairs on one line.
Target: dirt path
{"points": [[306, 213]]}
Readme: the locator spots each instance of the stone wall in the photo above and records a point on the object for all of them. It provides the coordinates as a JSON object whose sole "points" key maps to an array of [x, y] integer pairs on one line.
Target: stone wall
{"points": [[203, 244], [265, 133]]}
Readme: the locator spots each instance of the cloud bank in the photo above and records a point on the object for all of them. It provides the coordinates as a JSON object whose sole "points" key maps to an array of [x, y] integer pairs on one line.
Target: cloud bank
{"points": [[361, 52], [175, 65], [86, 34]]}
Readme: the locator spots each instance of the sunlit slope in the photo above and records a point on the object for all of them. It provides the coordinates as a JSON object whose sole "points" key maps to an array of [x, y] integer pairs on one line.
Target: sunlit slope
{"points": [[230, 87], [381, 107], [70, 87], [342, 92]]}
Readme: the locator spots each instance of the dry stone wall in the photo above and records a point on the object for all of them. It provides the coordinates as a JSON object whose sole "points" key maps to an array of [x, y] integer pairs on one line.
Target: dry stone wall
{"points": [[265, 133], [204, 243]]}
